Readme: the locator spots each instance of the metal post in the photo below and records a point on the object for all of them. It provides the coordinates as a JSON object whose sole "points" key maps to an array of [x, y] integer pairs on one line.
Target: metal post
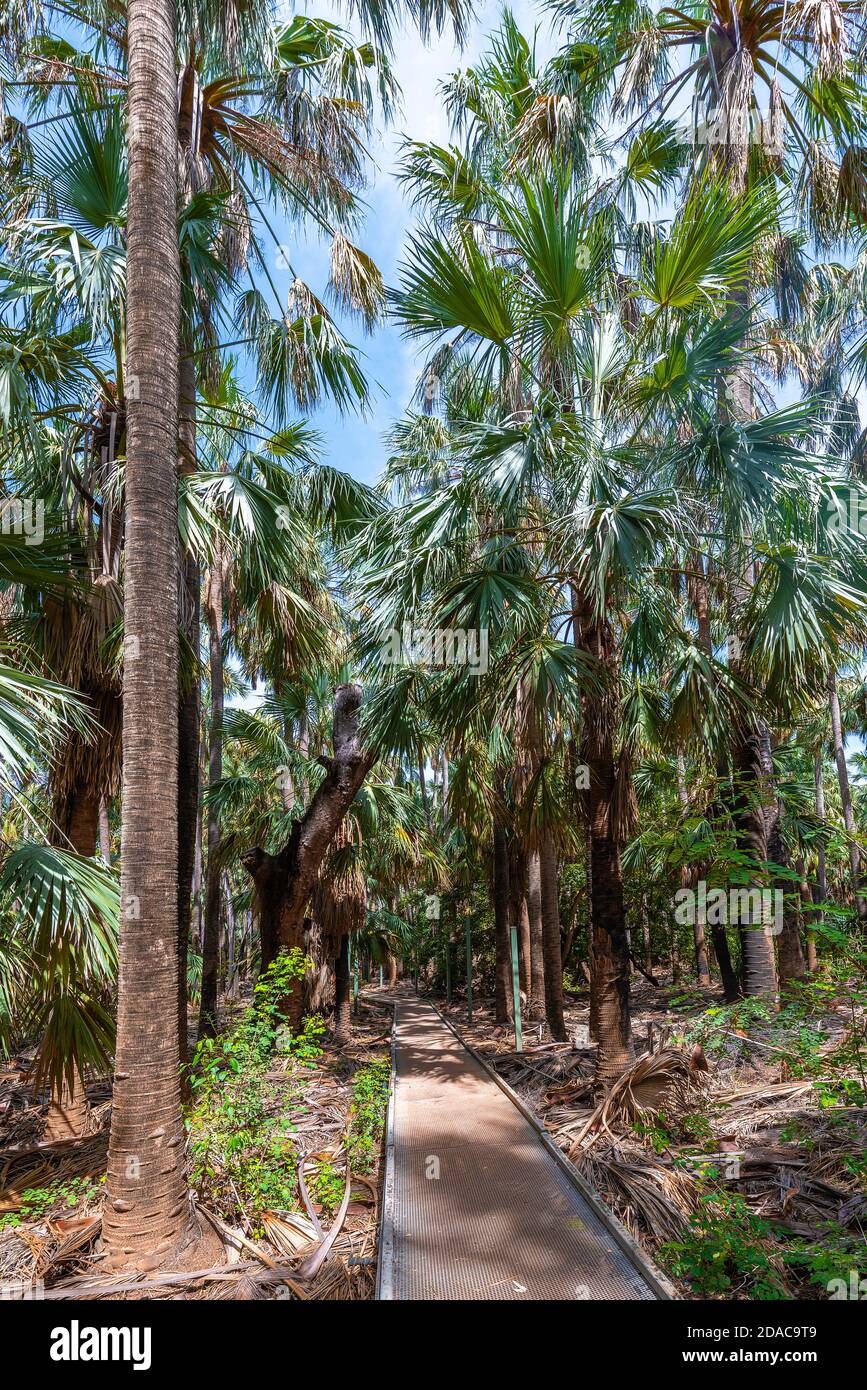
{"points": [[469, 974], [448, 971], [516, 991], [380, 977]]}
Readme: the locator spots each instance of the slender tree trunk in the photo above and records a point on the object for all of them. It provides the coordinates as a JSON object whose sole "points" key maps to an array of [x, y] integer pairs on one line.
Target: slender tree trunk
{"points": [[537, 950], [147, 1219], [502, 945], [846, 801], [551, 946], [687, 880], [104, 832], [792, 965], [820, 887], [213, 894], [68, 1108], [645, 934], [342, 994], [759, 967]]}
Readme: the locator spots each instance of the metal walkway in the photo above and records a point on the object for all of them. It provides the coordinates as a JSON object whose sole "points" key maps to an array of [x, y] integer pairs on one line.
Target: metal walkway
{"points": [[476, 1206]]}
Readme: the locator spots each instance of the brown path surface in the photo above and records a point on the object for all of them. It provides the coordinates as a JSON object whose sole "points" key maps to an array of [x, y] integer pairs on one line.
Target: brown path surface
{"points": [[502, 1220]]}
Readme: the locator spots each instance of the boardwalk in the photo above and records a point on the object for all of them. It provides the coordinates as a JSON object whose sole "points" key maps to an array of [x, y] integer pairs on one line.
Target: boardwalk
{"points": [[475, 1205]]}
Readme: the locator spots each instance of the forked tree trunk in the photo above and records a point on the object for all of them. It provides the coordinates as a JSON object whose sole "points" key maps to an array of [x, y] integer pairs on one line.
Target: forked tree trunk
{"points": [[536, 1009], [285, 881], [213, 892], [147, 1219]]}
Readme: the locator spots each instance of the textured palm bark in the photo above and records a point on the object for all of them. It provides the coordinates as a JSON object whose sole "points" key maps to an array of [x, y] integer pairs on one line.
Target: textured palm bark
{"points": [[188, 710], [536, 1009], [758, 960], [790, 952], [502, 945], [147, 1218], [213, 893], [820, 887], [846, 803], [609, 1005], [519, 916], [285, 881], [68, 1107], [551, 943], [342, 994], [688, 879]]}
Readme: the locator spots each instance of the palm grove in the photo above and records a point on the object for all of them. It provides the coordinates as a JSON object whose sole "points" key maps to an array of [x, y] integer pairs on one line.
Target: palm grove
{"points": [[631, 476]]}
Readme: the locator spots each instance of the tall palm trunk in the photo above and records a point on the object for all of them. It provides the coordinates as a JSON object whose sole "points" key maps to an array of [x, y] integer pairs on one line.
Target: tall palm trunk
{"points": [[687, 880], [147, 1219], [820, 887], [342, 993], [536, 1008], [502, 945], [551, 945], [188, 709], [68, 1108], [213, 894], [609, 943], [846, 802], [758, 962]]}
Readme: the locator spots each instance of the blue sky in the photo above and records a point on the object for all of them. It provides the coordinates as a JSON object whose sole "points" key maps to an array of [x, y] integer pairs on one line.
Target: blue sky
{"points": [[353, 444]]}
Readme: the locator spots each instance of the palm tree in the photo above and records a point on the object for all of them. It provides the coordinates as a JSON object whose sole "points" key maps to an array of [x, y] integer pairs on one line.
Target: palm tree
{"points": [[148, 1219]]}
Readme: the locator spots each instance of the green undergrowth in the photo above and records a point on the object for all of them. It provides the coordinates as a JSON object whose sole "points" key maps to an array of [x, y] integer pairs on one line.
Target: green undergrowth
{"points": [[242, 1152], [55, 1199]]}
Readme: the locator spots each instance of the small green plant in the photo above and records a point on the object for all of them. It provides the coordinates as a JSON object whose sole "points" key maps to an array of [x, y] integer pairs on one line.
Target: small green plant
{"points": [[727, 1250], [327, 1186], [370, 1088], [38, 1202]]}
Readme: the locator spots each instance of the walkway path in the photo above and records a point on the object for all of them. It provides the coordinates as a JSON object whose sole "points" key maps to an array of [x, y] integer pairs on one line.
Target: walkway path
{"points": [[475, 1205]]}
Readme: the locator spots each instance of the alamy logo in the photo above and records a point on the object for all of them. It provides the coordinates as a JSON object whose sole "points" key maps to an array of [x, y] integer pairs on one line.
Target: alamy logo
{"points": [[722, 907], [77, 1343], [437, 647], [22, 516]]}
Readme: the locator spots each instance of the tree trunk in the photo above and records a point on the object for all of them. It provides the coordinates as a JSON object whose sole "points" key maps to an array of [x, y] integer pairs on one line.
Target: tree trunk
{"points": [[188, 711], [687, 880], [342, 994], [147, 1219], [820, 887], [846, 802], [758, 962], [792, 965], [68, 1111], [536, 1010], [68, 1108], [284, 881], [104, 832], [551, 947], [213, 893], [502, 945]]}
